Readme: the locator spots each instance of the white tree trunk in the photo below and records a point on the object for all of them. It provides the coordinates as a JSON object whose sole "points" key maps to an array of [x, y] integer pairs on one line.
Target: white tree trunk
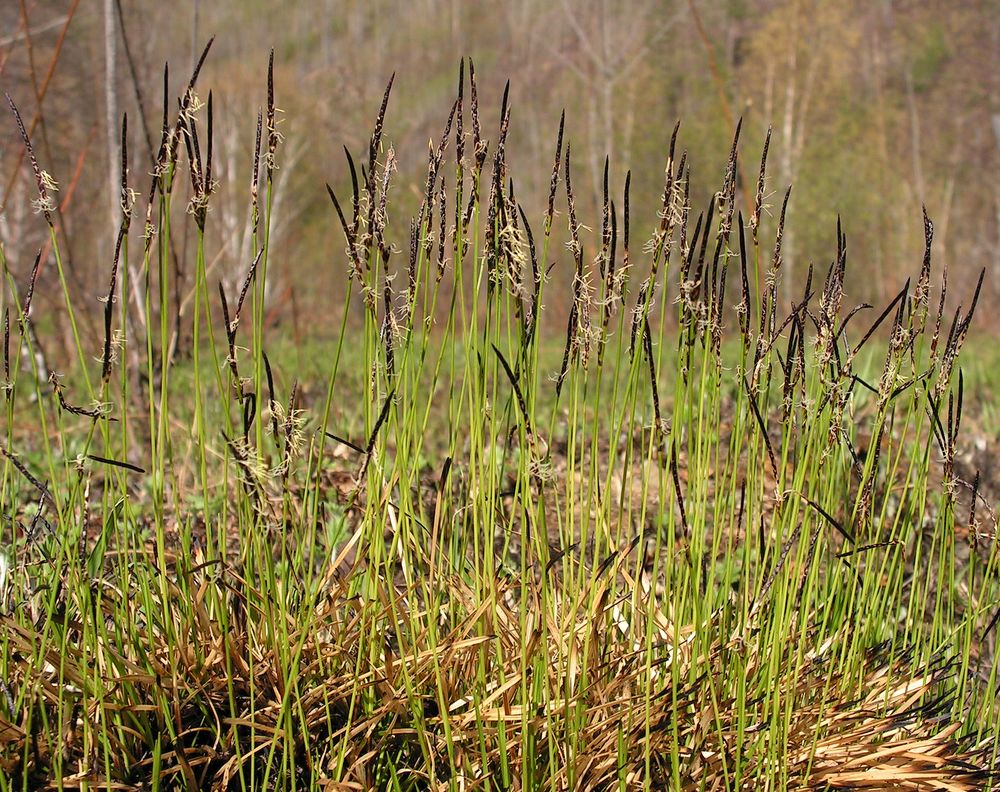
{"points": [[111, 108]]}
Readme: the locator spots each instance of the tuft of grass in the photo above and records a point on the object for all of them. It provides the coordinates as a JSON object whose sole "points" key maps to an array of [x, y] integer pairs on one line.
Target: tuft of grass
{"points": [[696, 541]]}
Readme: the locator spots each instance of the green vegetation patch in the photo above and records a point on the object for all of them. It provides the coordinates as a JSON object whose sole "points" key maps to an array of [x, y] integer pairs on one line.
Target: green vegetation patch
{"points": [[699, 538]]}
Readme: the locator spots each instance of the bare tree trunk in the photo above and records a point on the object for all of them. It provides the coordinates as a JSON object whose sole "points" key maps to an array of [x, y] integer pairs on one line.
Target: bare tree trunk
{"points": [[786, 168], [111, 107], [996, 204]]}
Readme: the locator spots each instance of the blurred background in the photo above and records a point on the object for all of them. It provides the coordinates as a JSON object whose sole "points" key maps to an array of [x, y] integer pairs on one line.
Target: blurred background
{"points": [[877, 107]]}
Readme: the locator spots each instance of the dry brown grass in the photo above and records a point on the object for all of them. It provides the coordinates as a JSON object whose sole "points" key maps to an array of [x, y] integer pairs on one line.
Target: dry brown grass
{"points": [[221, 678]]}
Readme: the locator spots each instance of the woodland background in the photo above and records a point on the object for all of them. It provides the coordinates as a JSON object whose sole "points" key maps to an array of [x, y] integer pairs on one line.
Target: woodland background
{"points": [[877, 107]]}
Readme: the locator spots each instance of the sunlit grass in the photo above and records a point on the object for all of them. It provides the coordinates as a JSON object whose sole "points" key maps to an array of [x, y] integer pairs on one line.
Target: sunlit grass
{"points": [[698, 540]]}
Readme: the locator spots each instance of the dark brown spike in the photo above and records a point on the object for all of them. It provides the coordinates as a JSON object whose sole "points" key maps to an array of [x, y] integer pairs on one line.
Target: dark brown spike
{"points": [[702, 250], [574, 226], [840, 527], [271, 398], [225, 310], [567, 350], [255, 179], [934, 411], [383, 414], [975, 499], [776, 260], [249, 412], [850, 315], [126, 204], [477, 130], [625, 211], [355, 192], [116, 463], [762, 425], [442, 235], [554, 182], [272, 124], [378, 225], [201, 62], [376, 138], [230, 337], [909, 384], [270, 84], [990, 626], [189, 129], [740, 511], [532, 256], [673, 140], [695, 238], [717, 283], [536, 277], [435, 158], [23, 470], [626, 229], [251, 273], [289, 428], [950, 427], [26, 309], [185, 103], [928, 240], [841, 240], [866, 547], [250, 484], [788, 364], [613, 249], [953, 331], [638, 314], [505, 112], [685, 210], [346, 442], [759, 197], [900, 295], [109, 304], [390, 367], [165, 126], [666, 214], [459, 131], [197, 169], [572, 336], [678, 492], [57, 388], [557, 555], [348, 234], [766, 588], [411, 265], [43, 194], [491, 236], [605, 221], [647, 342], [522, 405], [207, 187], [729, 188], [6, 351], [975, 301], [504, 100], [340, 212], [122, 235], [958, 406], [744, 307]]}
